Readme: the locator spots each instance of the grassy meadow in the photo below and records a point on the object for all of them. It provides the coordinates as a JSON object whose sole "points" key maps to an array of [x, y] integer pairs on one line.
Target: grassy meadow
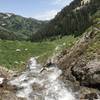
{"points": [[14, 54]]}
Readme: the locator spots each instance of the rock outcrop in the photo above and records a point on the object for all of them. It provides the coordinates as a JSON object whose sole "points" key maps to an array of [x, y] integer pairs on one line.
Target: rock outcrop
{"points": [[89, 74], [7, 92], [68, 61], [82, 63]]}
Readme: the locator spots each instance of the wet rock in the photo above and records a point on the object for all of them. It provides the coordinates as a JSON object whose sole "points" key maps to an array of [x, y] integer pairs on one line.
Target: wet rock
{"points": [[74, 86], [76, 66], [37, 87], [8, 95], [15, 75], [36, 97], [89, 94], [88, 74], [7, 92], [1, 80], [4, 72]]}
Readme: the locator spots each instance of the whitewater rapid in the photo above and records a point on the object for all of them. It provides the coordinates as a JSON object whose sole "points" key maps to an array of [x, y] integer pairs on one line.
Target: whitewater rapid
{"points": [[33, 85]]}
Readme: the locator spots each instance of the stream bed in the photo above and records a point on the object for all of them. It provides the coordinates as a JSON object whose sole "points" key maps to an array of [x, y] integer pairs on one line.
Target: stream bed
{"points": [[32, 84]]}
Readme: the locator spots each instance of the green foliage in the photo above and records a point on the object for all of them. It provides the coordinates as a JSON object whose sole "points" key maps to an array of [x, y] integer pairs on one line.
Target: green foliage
{"points": [[72, 20], [93, 50], [22, 28], [14, 54]]}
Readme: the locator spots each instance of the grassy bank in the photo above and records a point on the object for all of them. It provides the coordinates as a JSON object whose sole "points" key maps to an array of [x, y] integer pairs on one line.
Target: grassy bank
{"points": [[14, 54]]}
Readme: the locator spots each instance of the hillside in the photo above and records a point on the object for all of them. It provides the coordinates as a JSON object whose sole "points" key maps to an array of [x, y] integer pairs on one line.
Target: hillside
{"points": [[82, 62], [17, 27], [69, 59], [72, 20], [14, 54]]}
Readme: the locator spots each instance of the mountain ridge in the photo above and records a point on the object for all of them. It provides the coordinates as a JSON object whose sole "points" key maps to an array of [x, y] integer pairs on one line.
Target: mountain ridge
{"points": [[22, 28], [72, 20]]}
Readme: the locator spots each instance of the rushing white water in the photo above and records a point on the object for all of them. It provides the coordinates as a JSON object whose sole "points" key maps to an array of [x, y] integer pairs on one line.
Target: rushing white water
{"points": [[46, 85]]}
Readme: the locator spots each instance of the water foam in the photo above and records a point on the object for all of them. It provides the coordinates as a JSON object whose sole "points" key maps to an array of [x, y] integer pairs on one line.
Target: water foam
{"points": [[34, 85]]}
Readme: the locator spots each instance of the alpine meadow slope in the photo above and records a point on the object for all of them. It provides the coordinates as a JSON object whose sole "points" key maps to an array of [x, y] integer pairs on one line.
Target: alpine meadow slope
{"points": [[15, 27]]}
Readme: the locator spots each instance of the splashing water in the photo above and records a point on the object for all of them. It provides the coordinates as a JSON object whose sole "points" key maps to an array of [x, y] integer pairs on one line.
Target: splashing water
{"points": [[33, 85]]}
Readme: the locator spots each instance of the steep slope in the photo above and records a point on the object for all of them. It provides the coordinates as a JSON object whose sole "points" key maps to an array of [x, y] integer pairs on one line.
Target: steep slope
{"points": [[6, 34], [82, 62], [17, 25], [72, 20], [88, 45]]}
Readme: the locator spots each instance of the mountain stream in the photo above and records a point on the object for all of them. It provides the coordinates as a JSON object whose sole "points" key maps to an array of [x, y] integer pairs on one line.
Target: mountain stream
{"points": [[33, 84]]}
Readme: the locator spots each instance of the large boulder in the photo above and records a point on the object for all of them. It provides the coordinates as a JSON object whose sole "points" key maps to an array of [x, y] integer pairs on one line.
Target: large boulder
{"points": [[89, 94], [88, 74]]}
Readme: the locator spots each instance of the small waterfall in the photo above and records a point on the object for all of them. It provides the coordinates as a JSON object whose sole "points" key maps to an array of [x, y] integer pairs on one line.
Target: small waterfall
{"points": [[33, 85]]}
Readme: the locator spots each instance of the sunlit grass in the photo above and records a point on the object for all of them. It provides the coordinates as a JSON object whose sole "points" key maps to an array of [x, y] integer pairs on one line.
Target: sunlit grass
{"points": [[14, 54]]}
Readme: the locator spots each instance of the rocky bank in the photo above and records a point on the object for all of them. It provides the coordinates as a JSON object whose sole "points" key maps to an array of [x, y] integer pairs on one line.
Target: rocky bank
{"points": [[82, 64]]}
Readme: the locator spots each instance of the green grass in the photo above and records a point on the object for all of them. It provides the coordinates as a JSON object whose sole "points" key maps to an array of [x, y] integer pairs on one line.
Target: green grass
{"points": [[16, 60], [94, 49]]}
